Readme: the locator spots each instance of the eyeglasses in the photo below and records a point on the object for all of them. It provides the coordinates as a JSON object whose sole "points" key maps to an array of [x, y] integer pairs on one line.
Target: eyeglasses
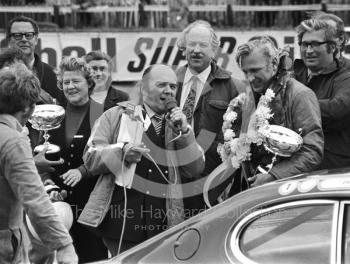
{"points": [[19, 35], [312, 44]]}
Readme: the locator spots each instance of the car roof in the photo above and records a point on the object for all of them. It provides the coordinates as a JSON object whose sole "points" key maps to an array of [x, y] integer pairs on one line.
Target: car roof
{"points": [[317, 185]]}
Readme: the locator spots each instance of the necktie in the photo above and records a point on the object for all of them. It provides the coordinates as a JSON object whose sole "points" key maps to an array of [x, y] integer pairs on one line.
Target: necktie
{"points": [[188, 107], [157, 121]]}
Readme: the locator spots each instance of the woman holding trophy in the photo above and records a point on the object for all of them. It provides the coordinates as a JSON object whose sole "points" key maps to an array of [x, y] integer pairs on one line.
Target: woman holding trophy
{"points": [[76, 80]]}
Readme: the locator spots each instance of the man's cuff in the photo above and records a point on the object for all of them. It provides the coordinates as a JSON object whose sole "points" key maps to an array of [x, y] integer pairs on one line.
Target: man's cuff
{"points": [[186, 130]]}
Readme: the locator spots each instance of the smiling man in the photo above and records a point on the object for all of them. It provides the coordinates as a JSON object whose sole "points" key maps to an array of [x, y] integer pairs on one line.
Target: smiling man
{"points": [[205, 90], [23, 32], [293, 106], [322, 71]]}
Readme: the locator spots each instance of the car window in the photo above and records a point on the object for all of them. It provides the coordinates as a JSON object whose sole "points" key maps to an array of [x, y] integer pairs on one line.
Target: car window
{"points": [[346, 235], [292, 235]]}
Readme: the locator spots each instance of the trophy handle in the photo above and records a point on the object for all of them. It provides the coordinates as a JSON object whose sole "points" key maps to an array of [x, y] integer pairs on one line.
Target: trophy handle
{"points": [[269, 166]]}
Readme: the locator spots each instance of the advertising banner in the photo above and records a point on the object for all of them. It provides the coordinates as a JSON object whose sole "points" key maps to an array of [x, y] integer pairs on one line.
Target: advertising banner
{"points": [[132, 52]]}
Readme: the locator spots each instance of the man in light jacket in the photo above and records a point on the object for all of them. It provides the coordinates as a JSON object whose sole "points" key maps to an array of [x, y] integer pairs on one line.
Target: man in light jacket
{"points": [[21, 186]]}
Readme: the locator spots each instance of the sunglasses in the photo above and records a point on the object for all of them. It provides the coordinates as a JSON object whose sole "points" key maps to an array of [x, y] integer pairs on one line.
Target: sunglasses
{"points": [[19, 36]]}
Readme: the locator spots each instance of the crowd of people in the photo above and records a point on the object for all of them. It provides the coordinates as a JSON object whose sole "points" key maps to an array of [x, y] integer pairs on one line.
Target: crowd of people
{"points": [[177, 14], [188, 123]]}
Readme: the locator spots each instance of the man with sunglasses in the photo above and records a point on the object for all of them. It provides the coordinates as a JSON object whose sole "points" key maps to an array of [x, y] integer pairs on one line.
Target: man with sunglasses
{"points": [[322, 71]]}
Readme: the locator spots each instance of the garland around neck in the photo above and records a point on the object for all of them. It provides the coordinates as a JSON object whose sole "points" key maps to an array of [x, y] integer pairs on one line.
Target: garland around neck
{"points": [[237, 149]]}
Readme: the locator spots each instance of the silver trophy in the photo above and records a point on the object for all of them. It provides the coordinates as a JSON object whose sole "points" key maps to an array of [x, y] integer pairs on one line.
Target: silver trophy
{"points": [[44, 118], [280, 141]]}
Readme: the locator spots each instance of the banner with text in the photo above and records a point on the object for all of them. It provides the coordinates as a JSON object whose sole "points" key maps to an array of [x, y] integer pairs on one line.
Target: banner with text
{"points": [[132, 52]]}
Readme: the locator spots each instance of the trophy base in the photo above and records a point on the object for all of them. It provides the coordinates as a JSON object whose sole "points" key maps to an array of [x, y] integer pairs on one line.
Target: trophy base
{"points": [[52, 153]]}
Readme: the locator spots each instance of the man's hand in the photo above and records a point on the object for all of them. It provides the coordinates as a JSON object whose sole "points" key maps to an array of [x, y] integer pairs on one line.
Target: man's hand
{"points": [[71, 177], [260, 179], [55, 195], [176, 117], [44, 165], [133, 153], [67, 255]]}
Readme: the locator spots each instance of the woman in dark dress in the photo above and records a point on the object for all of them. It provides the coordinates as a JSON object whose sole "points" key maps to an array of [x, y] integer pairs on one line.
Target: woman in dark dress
{"points": [[81, 112]]}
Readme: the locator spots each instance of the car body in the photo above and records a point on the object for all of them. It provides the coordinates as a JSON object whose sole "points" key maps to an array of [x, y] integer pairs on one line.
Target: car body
{"points": [[302, 219]]}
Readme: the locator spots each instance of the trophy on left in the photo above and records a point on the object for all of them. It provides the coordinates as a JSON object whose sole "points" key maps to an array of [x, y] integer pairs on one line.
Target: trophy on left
{"points": [[44, 118]]}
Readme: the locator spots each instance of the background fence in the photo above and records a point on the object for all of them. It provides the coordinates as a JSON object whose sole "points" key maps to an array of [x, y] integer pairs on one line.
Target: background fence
{"points": [[154, 14]]}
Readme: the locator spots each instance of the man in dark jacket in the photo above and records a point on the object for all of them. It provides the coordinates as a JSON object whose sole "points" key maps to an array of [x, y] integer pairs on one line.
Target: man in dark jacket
{"points": [[22, 32], [341, 37], [104, 93], [291, 104], [211, 88], [328, 77]]}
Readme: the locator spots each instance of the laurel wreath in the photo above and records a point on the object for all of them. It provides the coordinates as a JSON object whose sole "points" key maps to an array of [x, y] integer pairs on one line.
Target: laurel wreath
{"points": [[237, 149]]}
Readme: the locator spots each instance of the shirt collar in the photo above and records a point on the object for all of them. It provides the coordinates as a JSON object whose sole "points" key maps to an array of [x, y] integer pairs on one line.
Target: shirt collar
{"points": [[11, 121], [203, 76], [31, 63], [149, 111]]}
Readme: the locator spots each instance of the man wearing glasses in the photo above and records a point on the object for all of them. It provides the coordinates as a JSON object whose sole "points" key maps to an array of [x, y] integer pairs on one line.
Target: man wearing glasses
{"points": [[322, 71], [22, 32]]}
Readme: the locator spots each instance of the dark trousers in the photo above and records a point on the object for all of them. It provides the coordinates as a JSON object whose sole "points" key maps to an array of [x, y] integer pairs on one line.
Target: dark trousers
{"points": [[88, 245]]}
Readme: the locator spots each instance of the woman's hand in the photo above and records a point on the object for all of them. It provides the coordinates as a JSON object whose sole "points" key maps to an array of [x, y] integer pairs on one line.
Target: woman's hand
{"points": [[71, 177]]}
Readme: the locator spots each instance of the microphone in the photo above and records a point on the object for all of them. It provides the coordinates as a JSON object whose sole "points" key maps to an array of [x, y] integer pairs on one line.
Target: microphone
{"points": [[170, 104]]}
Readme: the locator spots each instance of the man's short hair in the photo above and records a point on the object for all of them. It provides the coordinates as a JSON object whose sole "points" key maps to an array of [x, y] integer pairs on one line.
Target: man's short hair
{"points": [[268, 48], [272, 40], [8, 56], [19, 88], [215, 42], [341, 34], [79, 65], [22, 19], [312, 24], [99, 55]]}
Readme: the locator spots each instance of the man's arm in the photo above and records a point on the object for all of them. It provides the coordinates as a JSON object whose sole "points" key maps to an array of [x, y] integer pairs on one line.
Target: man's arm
{"points": [[25, 182], [305, 115], [101, 154], [335, 111], [190, 156]]}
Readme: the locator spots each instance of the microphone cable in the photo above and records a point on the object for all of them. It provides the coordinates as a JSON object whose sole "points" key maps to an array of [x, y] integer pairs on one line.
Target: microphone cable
{"points": [[124, 187]]}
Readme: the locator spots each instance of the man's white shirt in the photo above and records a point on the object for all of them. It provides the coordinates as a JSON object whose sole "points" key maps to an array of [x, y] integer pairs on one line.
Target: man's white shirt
{"points": [[202, 78]]}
